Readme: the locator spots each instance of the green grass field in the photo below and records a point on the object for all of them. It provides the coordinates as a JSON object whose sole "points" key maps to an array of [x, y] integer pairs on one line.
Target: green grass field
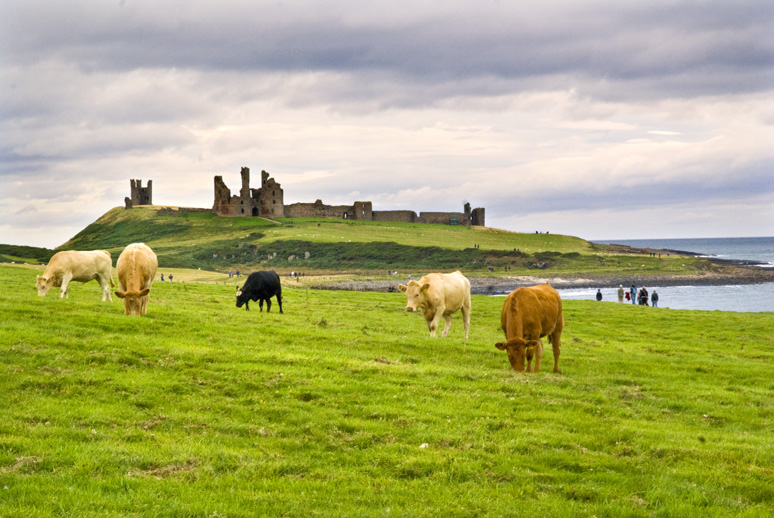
{"points": [[343, 406]]}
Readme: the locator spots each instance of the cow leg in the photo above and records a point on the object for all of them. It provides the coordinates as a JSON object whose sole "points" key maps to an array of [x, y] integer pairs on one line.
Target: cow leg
{"points": [[268, 305], [260, 305], [556, 343], [247, 305], [65, 282], [432, 324], [105, 285], [538, 355], [466, 319], [279, 302], [447, 324]]}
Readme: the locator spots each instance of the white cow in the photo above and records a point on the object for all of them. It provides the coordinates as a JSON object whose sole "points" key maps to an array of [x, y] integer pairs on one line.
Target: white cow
{"points": [[73, 265], [439, 295], [136, 269]]}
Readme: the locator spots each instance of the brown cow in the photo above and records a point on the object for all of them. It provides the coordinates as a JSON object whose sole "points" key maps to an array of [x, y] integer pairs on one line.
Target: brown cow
{"points": [[439, 295], [136, 269], [528, 315]]}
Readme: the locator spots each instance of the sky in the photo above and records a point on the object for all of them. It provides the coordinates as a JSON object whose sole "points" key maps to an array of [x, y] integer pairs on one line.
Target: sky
{"points": [[608, 119]]}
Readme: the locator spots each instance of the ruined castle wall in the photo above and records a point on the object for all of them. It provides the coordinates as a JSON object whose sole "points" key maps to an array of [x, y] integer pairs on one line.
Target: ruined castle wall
{"points": [[363, 211], [222, 203], [478, 217], [403, 216], [140, 195], [445, 218], [319, 210]]}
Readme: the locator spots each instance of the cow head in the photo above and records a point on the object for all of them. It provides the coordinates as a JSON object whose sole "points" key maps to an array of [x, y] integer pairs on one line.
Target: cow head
{"points": [[44, 284], [241, 297], [133, 301], [517, 350], [415, 294]]}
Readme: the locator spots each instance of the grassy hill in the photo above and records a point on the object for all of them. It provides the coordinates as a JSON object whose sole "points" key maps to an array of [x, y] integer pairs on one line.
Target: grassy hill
{"points": [[203, 240], [25, 254], [343, 406]]}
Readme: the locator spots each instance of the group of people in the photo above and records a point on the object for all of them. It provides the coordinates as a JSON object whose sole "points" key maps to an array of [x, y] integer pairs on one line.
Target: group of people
{"points": [[637, 297]]}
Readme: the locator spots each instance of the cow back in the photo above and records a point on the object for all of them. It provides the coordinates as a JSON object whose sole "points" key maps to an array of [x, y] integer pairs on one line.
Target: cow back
{"points": [[533, 309], [82, 265], [136, 267]]}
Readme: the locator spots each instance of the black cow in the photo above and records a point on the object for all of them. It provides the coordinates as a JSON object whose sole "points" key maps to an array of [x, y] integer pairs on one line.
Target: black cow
{"points": [[260, 286]]}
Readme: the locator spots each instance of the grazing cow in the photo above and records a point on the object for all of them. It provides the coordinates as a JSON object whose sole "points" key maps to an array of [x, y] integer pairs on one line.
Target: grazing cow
{"points": [[439, 295], [136, 268], [528, 315], [78, 266], [260, 286]]}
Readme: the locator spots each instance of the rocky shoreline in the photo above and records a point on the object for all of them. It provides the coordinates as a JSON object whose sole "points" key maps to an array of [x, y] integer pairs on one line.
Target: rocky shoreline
{"points": [[729, 275]]}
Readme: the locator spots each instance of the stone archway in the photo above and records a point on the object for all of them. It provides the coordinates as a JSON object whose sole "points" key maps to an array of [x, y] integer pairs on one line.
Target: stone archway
{"points": [[255, 211]]}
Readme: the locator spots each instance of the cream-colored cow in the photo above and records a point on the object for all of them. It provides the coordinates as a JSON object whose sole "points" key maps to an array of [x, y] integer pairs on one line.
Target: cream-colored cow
{"points": [[439, 295], [73, 265], [136, 269]]}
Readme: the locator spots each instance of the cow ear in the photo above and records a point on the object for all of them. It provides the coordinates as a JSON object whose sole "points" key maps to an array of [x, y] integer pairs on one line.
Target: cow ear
{"points": [[425, 287], [144, 293], [402, 287], [533, 343], [500, 345], [239, 292], [120, 294], [37, 277]]}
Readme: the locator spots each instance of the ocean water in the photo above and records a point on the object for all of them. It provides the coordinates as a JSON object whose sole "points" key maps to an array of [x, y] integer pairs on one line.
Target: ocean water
{"points": [[760, 249], [746, 298]]}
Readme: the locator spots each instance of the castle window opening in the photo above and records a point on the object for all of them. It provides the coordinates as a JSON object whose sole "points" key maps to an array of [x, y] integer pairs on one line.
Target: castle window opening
{"points": [[346, 215], [255, 211], [243, 211]]}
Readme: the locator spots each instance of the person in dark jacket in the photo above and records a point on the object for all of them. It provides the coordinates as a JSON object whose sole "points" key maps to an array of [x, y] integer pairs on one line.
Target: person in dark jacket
{"points": [[599, 294], [643, 297], [654, 299]]}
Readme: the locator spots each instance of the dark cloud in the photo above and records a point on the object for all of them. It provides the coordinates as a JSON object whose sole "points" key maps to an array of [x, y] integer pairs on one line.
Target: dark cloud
{"points": [[638, 48]]}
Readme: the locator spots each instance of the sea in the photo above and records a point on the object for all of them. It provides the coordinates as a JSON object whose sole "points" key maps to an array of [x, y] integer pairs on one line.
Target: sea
{"points": [[743, 298]]}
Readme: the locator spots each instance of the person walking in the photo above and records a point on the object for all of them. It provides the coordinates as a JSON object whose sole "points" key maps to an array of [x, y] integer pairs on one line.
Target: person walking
{"points": [[633, 293], [654, 299], [643, 296], [620, 293], [599, 295]]}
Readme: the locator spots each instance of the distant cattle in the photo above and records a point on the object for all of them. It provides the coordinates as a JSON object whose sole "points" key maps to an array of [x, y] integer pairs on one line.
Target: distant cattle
{"points": [[260, 286], [78, 266], [136, 268], [529, 314], [439, 295]]}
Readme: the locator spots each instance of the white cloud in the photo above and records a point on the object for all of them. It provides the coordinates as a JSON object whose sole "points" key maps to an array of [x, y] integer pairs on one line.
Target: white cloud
{"points": [[557, 111]]}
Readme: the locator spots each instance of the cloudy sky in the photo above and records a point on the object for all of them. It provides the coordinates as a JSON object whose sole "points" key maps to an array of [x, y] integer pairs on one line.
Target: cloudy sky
{"points": [[603, 119]]}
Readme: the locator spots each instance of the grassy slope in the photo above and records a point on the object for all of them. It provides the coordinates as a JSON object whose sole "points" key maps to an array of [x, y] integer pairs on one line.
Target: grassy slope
{"points": [[200, 409], [210, 242]]}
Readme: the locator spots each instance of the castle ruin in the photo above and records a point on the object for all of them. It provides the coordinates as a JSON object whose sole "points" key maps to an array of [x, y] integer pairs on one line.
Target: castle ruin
{"points": [[139, 195], [265, 202], [268, 202]]}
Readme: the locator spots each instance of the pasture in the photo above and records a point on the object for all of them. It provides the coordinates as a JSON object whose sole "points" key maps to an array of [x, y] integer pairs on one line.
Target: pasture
{"points": [[344, 406]]}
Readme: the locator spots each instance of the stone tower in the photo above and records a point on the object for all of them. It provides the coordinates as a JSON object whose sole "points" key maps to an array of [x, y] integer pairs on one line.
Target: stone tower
{"points": [[139, 195]]}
